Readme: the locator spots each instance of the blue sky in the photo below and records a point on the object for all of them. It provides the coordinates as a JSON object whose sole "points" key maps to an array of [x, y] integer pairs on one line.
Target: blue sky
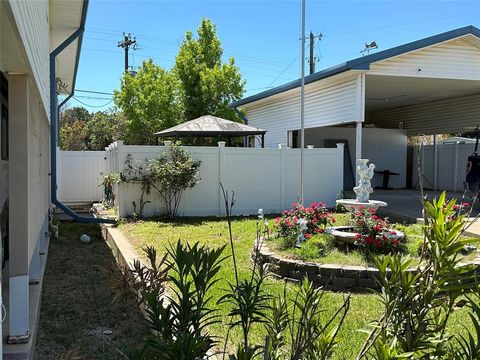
{"points": [[263, 36]]}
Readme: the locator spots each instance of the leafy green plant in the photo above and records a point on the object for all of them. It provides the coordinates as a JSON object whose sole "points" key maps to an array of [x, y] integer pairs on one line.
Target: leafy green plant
{"points": [[418, 303], [468, 346], [179, 320], [310, 337], [247, 297], [172, 173]]}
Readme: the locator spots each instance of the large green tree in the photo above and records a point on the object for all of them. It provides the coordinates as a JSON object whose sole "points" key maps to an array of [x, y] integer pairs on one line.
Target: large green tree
{"points": [[150, 102], [82, 130], [104, 128], [72, 128], [207, 85]]}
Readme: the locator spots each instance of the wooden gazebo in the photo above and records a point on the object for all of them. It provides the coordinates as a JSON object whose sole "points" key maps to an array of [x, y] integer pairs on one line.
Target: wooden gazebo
{"points": [[212, 126]]}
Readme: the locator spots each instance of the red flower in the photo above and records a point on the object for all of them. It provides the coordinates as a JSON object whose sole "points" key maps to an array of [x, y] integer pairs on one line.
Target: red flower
{"points": [[308, 236]]}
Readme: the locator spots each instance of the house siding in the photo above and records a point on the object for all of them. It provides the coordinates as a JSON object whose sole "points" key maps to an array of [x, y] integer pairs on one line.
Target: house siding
{"points": [[327, 102], [456, 59], [432, 117], [31, 18]]}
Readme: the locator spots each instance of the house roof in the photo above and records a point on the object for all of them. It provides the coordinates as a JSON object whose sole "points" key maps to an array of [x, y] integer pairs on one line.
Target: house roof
{"points": [[66, 18], [209, 125], [363, 63]]}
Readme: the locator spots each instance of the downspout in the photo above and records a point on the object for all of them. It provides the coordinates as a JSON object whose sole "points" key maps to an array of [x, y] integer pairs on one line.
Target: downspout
{"points": [[245, 121], [54, 111]]}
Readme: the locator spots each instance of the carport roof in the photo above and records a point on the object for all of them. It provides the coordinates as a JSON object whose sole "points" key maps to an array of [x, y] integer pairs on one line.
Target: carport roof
{"points": [[363, 63]]}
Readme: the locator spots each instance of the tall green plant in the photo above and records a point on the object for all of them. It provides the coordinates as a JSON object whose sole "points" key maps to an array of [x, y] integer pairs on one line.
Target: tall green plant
{"points": [[468, 345], [247, 298], [418, 303], [180, 320]]}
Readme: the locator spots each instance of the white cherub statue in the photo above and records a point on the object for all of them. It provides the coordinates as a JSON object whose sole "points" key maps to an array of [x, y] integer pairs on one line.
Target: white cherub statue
{"points": [[364, 188]]}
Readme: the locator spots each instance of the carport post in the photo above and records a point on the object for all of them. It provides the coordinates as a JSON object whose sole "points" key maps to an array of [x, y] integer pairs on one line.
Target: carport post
{"points": [[358, 146]]}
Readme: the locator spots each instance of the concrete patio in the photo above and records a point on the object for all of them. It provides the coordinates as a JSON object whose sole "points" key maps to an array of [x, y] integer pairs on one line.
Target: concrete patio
{"points": [[405, 205]]}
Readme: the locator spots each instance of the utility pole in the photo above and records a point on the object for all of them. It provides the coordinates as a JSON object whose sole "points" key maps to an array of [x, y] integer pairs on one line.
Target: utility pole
{"points": [[125, 44], [312, 59]]}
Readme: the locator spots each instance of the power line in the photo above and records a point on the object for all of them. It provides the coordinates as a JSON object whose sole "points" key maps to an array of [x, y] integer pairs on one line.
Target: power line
{"points": [[92, 106], [401, 24], [93, 97], [93, 92]]}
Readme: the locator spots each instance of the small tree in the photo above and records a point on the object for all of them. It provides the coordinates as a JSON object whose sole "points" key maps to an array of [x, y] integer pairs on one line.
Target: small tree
{"points": [[172, 173]]}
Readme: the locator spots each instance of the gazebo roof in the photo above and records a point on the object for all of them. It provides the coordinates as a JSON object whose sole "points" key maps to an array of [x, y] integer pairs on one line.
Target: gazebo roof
{"points": [[208, 125]]}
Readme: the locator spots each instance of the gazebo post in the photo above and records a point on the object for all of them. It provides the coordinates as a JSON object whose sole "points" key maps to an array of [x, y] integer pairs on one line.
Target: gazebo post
{"points": [[263, 141]]}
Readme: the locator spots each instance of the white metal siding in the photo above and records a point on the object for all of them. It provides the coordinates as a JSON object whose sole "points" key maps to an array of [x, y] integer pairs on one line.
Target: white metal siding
{"points": [[31, 18], [442, 116], [456, 59], [326, 103]]}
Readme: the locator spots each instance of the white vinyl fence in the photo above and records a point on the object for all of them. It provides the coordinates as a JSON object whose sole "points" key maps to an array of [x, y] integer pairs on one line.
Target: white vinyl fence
{"points": [[451, 166], [79, 174], [261, 178]]}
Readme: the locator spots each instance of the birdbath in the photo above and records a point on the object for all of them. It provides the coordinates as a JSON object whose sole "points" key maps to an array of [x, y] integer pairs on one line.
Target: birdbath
{"points": [[346, 234]]}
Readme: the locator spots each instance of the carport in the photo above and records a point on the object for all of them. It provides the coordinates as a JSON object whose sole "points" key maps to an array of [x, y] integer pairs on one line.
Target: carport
{"points": [[429, 86]]}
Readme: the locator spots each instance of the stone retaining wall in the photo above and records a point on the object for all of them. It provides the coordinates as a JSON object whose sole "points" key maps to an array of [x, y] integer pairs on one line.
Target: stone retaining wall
{"points": [[331, 276]]}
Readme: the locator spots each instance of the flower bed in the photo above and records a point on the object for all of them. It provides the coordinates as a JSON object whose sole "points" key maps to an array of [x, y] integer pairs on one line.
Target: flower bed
{"points": [[307, 221], [372, 236]]}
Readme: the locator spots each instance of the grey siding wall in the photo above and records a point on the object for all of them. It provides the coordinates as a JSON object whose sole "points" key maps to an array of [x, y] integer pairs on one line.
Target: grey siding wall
{"points": [[31, 18], [327, 102], [442, 116]]}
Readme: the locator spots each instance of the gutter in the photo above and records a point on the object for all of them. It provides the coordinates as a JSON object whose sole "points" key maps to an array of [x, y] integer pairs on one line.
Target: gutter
{"points": [[240, 115], [54, 111]]}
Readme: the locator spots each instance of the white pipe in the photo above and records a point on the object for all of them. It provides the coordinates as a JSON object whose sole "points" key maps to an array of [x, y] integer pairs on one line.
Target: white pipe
{"points": [[302, 104], [358, 147]]}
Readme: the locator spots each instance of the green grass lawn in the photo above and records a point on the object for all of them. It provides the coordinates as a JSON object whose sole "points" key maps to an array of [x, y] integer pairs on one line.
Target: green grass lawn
{"points": [[214, 232], [76, 309]]}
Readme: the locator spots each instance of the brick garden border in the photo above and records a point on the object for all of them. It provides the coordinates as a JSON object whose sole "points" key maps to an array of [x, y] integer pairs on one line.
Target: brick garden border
{"points": [[333, 277]]}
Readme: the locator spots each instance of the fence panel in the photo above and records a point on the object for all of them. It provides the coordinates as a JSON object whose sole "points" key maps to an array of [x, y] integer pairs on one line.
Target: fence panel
{"points": [[452, 164], [261, 178], [79, 175]]}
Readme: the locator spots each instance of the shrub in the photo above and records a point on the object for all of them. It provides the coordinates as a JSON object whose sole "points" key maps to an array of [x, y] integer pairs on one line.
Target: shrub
{"points": [[318, 245], [316, 215], [172, 173], [374, 233]]}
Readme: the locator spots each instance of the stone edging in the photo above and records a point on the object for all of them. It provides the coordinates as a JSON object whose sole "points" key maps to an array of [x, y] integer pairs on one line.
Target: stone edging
{"points": [[331, 276]]}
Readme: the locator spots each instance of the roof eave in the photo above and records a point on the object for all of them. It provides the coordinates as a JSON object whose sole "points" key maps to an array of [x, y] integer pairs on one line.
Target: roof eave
{"points": [[363, 63]]}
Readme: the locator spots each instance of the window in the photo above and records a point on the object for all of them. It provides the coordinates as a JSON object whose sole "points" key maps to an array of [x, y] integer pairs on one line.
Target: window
{"points": [[294, 139], [4, 133]]}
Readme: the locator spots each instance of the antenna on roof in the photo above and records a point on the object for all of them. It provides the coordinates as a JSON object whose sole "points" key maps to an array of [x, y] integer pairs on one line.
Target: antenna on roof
{"points": [[369, 47]]}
